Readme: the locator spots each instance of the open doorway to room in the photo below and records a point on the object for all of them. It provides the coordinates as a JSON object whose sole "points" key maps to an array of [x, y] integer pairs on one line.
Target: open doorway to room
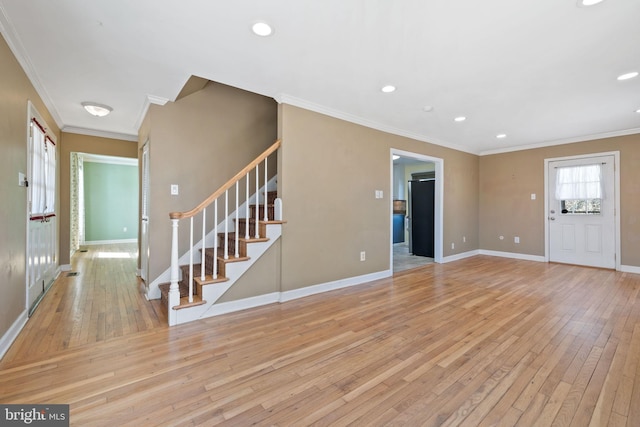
{"points": [[104, 200], [416, 219]]}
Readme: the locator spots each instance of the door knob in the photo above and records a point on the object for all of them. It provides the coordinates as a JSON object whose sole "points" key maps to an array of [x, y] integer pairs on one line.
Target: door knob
{"points": [[552, 218]]}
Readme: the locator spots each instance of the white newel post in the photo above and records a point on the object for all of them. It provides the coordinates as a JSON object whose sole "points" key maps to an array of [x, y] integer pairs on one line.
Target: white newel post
{"points": [[174, 291]]}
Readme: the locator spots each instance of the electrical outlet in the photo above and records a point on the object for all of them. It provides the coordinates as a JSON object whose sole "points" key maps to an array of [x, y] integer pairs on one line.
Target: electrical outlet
{"points": [[464, 239], [516, 239], [124, 229], [453, 245], [363, 256]]}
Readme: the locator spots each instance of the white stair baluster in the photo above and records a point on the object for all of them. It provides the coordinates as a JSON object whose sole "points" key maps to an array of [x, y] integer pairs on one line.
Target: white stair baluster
{"points": [[215, 233], [257, 214], [236, 226], [246, 208], [191, 259], [226, 224], [204, 244], [266, 212]]}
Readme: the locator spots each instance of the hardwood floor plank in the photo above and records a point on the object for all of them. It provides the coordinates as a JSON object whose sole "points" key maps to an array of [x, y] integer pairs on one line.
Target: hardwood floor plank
{"points": [[477, 342]]}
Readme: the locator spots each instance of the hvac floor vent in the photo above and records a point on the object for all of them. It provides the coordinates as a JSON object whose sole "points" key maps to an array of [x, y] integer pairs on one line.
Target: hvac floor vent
{"points": [[72, 273]]}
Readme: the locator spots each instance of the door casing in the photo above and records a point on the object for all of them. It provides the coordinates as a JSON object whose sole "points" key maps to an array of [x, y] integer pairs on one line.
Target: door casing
{"points": [[438, 202]]}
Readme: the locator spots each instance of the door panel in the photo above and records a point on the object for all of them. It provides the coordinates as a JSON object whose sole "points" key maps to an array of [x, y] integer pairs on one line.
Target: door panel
{"points": [[583, 238], [422, 217]]}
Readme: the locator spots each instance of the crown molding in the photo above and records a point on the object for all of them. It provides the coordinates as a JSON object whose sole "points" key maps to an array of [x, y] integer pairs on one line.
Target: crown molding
{"points": [[150, 99], [581, 138], [317, 108], [100, 133], [20, 53]]}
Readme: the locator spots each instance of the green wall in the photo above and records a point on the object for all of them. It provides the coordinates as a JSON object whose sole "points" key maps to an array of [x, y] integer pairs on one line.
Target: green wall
{"points": [[111, 201]]}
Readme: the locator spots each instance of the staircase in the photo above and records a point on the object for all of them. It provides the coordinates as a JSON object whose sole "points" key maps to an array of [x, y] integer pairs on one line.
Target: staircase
{"points": [[235, 245]]}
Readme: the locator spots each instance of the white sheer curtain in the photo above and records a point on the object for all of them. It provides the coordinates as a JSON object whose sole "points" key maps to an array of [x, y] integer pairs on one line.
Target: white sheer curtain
{"points": [[50, 176], [579, 182], [37, 182]]}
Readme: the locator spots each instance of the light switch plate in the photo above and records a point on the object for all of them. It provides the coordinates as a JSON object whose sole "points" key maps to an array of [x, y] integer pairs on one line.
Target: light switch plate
{"points": [[22, 180], [175, 190]]}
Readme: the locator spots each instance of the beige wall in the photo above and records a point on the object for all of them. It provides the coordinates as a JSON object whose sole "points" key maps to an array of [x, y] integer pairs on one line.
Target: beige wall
{"points": [[15, 91], [71, 142], [329, 171], [199, 142], [507, 181]]}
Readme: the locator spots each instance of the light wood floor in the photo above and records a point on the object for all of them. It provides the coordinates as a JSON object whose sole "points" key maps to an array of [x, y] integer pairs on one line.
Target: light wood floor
{"points": [[482, 341]]}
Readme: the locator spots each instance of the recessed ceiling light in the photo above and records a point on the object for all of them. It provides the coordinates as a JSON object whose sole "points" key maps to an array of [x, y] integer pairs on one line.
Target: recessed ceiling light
{"points": [[388, 88], [501, 135], [262, 29], [628, 76], [427, 108], [587, 3], [98, 110], [460, 119]]}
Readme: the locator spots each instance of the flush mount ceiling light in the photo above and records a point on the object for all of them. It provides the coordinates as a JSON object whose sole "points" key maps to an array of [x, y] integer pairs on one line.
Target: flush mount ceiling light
{"points": [[638, 111], [388, 88], [628, 76], [98, 110], [501, 135], [460, 119], [262, 29], [587, 3]]}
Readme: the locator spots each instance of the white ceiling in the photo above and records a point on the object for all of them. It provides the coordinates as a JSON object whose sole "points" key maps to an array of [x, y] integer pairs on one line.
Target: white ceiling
{"points": [[541, 71]]}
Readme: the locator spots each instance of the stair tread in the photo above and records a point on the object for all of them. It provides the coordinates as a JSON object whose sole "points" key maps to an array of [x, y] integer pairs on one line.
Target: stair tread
{"points": [[209, 280], [184, 302]]}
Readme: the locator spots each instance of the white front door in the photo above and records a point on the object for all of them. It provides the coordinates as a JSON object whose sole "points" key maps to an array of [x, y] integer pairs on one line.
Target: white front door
{"points": [[582, 227], [41, 251]]}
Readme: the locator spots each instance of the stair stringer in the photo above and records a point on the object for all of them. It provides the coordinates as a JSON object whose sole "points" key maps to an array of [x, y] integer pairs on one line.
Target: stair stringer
{"points": [[212, 293]]}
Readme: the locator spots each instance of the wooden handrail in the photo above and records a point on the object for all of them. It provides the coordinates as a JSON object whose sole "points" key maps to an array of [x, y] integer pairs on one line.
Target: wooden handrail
{"points": [[220, 191]]}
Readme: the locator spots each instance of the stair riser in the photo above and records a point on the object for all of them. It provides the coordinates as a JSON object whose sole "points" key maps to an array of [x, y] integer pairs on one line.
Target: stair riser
{"points": [[231, 247], [270, 211]]}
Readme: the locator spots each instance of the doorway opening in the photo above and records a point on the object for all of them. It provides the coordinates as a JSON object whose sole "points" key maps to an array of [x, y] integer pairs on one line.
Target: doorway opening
{"points": [[104, 200], [422, 174]]}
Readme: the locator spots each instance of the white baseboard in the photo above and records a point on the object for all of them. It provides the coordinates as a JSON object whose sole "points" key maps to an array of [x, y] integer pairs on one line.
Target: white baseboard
{"points": [[108, 242], [513, 255], [279, 297], [331, 286], [460, 256], [9, 337], [630, 269]]}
